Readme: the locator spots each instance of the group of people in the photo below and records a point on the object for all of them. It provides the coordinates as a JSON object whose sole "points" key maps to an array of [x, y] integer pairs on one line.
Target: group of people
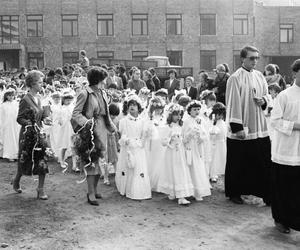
{"points": [[157, 137]]}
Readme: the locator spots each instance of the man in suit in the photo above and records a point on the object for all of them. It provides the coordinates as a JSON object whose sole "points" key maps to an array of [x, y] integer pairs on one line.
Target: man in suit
{"points": [[172, 83], [113, 79], [155, 79], [190, 90]]}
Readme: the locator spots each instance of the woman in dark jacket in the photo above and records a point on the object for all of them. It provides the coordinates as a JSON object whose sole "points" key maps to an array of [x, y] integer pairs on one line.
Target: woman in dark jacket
{"points": [[91, 105], [147, 77], [30, 117]]}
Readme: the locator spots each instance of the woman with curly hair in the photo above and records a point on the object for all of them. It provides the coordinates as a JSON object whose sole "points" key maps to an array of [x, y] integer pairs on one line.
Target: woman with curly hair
{"points": [[31, 117]]}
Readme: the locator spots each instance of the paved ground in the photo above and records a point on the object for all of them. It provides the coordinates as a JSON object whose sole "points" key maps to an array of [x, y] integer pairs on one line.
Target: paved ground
{"points": [[66, 221]]}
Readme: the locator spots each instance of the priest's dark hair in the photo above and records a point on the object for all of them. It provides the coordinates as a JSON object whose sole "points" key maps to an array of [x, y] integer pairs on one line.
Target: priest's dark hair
{"points": [[296, 65], [246, 49], [96, 75]]}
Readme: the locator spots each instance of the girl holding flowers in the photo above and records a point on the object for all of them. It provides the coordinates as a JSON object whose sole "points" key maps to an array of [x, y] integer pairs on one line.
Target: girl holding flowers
{"points": [[194, 136], [132, 177], [175, 179]]}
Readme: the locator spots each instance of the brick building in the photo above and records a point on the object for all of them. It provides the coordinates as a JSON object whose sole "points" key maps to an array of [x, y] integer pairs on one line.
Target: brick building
{"points": [[194, 33]]}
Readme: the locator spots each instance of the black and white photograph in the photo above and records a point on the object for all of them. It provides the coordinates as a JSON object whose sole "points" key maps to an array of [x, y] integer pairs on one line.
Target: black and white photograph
{"points": [[150, 124]]}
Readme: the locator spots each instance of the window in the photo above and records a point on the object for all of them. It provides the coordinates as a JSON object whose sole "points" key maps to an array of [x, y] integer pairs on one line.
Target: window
{"points": [[35, 25], [105, 54], [36, 59], [139, 24], [9, 29], [105, 25], [175, 57], [286, 33], [240, 24], [70, 25], [208, 24], [237, 61], [174, 24], [208, 59], [70, 57], [139, 55]]}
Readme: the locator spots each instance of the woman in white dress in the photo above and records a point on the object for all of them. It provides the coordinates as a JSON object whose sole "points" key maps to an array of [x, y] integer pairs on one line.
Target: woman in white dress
{"points": [[155, 152], [218, 141], [132, 177], [9, 128], [174, 179], [194, 137]]}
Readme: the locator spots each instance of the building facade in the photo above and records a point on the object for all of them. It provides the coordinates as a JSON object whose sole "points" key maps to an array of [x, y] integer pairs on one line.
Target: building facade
{"points": [[194, 33]]}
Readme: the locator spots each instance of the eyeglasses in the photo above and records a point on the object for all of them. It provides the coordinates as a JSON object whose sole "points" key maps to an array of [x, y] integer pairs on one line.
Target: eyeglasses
{"points": [[252, 58]]}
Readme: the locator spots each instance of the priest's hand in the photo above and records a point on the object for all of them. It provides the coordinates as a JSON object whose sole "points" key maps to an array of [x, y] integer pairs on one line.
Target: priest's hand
{"points": [[241, 134], [259, 101]]}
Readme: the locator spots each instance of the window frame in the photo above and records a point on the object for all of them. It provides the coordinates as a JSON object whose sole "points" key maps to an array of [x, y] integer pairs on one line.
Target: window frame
{"points": [[72, 27], [215, 59], [140, 20], [176, 19], [241, 19], [36, 24], [181, 55], [73, 52], [215, 19], [10, 19], [288, 32], [105, 57], [139, 51], [37, 58], [106, 20]]}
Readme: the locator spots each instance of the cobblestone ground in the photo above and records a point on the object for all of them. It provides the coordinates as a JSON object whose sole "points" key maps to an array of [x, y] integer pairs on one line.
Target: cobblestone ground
{"points": [[66, 221]]}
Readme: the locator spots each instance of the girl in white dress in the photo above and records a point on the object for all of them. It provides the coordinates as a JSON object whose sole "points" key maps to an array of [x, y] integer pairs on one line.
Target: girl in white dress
{"points": [[55, 108], [218, 141], [175, 179], [194, 137], [65, 131], [155, 152], [208, 100], [132, 177], [9, 128]]}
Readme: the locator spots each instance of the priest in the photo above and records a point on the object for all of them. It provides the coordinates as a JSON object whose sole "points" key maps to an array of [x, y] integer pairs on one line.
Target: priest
{"points": [[248, 144]]}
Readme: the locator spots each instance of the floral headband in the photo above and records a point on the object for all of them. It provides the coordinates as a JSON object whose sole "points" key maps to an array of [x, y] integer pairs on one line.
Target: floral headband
{"points": [[193, 103], [157, 102], [174, 107], [144, 91], [133, 97]]}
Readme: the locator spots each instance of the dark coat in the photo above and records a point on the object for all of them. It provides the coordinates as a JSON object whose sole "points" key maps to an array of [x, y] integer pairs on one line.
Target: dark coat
{"points": [[28, 105], [192, 93], [150, 85], [171, 89], [92, 103], [156, 82]]}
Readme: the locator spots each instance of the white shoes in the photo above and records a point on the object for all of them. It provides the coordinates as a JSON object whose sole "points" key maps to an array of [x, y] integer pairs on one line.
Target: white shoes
{"points": [[183, 201], [171, 197]]}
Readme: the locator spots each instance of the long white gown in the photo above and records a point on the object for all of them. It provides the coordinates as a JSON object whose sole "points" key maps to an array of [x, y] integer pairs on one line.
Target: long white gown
{"points": [[155, 151], [194, 138], [175, 179], [9, 129], [132, 177], [54, 129], [219, 149], [65, 131]]}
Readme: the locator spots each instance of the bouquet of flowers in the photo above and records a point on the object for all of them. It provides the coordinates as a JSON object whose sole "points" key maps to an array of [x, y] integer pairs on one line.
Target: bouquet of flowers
{"points": [[85, 145], [35, 151]]}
